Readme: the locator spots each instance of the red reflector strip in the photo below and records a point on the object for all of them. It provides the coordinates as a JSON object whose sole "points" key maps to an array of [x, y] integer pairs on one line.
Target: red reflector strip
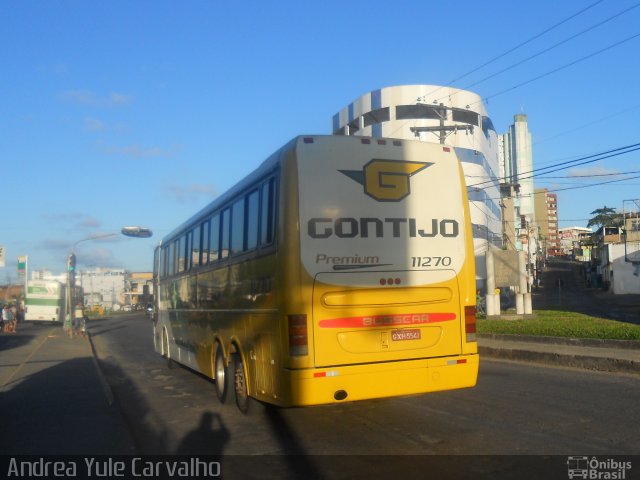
{"points": [[457, 362], [325, 374], [387, 320]]}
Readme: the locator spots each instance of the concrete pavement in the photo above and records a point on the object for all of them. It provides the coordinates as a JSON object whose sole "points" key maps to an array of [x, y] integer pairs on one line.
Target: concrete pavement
{"points": [[53, 397]]}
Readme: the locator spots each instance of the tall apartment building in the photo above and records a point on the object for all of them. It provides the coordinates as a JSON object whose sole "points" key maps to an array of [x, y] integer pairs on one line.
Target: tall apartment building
{"points": [[516, 165], [546, 206]]}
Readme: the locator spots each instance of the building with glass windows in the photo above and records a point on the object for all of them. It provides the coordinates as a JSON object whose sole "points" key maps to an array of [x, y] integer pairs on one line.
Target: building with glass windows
{"points": [[445, 115]]}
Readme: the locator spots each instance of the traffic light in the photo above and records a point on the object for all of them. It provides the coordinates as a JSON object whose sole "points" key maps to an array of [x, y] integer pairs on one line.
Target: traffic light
{"points": [[71, 269], [71, 263]]}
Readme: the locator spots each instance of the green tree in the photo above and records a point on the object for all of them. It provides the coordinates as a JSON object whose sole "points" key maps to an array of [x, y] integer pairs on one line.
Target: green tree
{"points": [[605, 216]]}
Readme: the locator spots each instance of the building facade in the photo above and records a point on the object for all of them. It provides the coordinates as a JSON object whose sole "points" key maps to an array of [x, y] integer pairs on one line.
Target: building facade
{"points": [[546, 217], [448, 116], [571, 240]]}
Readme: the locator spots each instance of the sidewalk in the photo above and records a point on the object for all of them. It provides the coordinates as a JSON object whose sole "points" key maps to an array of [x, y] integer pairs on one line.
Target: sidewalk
{"points": [[53, 397], [592, 354]]}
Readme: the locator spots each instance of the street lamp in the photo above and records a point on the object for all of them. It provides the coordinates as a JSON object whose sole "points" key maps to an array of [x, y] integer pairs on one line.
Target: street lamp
{"points": [[132, 231]]}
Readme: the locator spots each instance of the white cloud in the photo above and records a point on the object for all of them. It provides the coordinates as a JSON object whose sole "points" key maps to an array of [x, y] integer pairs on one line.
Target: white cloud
{"points": [[190, 193], [137, 151], [94, 124], [593, 170], [91, 99]]}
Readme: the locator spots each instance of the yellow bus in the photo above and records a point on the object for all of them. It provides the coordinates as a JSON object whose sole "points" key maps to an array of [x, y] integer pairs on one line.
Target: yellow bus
{"points": [[341, 269]]}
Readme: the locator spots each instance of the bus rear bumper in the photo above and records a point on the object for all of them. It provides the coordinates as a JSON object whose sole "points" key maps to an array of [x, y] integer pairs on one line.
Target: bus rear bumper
{"points": [[389, 379]]}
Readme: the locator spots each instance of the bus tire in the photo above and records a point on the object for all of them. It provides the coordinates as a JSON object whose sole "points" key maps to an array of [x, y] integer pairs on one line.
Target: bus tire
{"points": [[240, 383], [220, 375]]}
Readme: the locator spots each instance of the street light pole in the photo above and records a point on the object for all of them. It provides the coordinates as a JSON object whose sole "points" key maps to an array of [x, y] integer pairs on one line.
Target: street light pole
{"points": [[133, 231]]}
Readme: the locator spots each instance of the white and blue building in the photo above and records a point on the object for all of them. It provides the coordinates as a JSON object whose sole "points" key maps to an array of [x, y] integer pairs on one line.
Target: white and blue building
{"points": [[445, 115]]}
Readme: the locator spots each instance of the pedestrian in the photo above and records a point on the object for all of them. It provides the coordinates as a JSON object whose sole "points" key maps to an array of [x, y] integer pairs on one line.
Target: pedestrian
{"points": [[1, 318], [10, 320]]}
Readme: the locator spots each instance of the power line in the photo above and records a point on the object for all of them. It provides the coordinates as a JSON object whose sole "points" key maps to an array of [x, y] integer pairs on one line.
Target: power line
{"points": [[582, 160], [542, 176], [571, 188], [555, 70], [522, 44], [562, 42], [595, 175]]}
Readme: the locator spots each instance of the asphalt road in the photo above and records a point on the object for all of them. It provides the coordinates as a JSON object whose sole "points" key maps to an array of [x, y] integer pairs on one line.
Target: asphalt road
{"points": [[564, 287], [516, 409]]}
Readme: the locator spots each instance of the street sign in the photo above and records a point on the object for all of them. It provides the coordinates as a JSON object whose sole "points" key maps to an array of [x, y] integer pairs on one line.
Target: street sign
{"points": [[506, 268], [22, 267]]}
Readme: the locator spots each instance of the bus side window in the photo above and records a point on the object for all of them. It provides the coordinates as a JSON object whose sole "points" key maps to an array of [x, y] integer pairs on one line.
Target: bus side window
{"points": [[181, 253], [225, 233], [214, 238], [237, 227], [164, 257], [188, 255], [205, 243], [171, 265], [267, 212], [195, 256], [252, 216]]}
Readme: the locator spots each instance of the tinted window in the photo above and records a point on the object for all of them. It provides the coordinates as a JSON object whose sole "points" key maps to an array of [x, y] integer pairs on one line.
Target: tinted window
{"points": [[376, 116], [465, 116], [195, 249], [404, 112], [164, 260], [182, 247], [237, 227], [205, 244], [267, 212], [487, 125], [225, 233], [171, 261], [253, 200]]}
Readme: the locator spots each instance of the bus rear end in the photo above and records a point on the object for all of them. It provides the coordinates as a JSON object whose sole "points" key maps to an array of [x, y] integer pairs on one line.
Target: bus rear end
{"points": [[387, 271]]}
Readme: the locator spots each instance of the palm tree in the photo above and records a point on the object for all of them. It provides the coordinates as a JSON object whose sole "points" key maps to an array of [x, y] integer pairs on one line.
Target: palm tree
{"points": [[605, 216]]}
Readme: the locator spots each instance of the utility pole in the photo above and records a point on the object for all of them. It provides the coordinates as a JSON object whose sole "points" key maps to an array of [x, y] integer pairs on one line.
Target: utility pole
{"points": [[71, 279], [442, 129]]}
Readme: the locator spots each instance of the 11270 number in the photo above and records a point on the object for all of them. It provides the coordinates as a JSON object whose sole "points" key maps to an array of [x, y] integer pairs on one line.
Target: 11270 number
{"points": [[430, 261]]}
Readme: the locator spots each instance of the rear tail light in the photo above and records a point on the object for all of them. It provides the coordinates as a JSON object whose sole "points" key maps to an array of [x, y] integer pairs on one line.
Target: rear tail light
{"points": [[470, 322], [298, 335]]}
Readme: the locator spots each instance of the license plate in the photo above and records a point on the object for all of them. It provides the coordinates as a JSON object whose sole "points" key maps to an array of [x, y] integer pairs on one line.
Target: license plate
{"points": [[405, 334]]}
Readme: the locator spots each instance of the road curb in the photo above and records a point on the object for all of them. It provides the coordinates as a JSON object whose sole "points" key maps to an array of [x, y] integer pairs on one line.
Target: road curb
{"points": [[578, 342], [584, 362], [106, 388]]}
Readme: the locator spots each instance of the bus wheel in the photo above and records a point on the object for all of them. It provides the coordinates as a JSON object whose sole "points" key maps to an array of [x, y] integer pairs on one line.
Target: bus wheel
{"points": [[240, 383], [220, 375]]}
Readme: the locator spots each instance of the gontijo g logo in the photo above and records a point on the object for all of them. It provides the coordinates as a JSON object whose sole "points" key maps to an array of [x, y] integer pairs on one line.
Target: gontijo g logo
{"points": [[386, 180]]}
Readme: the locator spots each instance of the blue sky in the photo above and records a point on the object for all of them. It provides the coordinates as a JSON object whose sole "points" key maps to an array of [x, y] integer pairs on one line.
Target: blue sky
{"points": [[139, 113]]}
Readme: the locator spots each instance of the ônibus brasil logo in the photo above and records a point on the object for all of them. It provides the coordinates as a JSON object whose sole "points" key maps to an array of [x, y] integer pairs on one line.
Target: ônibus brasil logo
{"points": [[593, 468], [386, 180]]}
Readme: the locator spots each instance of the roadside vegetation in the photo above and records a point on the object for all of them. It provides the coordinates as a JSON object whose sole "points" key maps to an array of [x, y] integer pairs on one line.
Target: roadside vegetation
{"points": [[558, 323]]}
